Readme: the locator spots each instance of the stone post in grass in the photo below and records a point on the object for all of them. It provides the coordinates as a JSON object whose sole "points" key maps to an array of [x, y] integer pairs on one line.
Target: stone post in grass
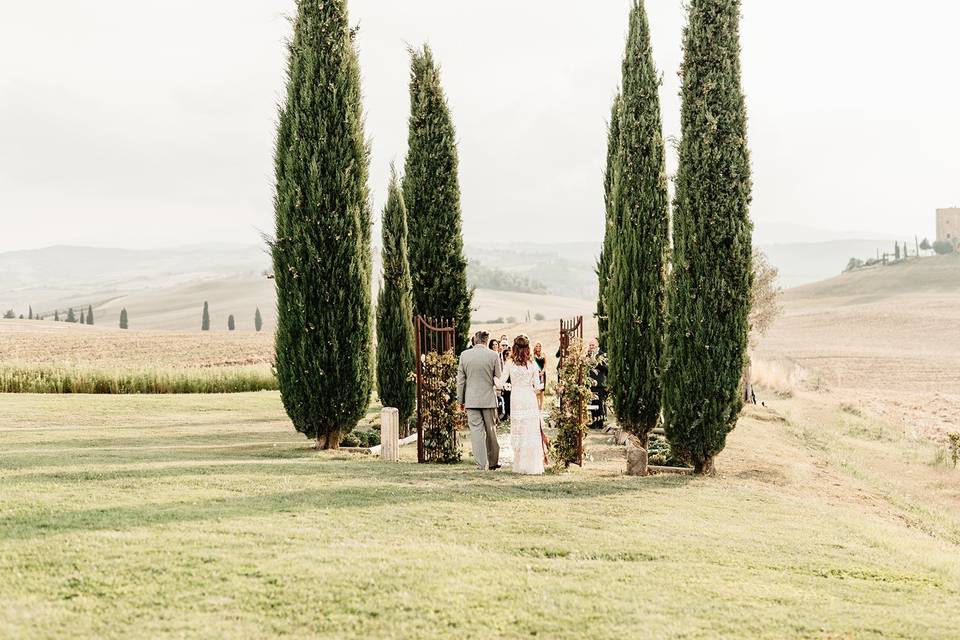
{"points": [[389, 434]]}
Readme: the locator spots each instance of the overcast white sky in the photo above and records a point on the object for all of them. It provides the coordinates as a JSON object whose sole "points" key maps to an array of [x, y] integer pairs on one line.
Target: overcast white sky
{"points": [[144, 123]]}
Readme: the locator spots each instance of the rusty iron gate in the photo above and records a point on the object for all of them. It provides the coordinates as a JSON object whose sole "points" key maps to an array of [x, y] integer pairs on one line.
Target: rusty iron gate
{"points": [[434, 335], [570, 329]]}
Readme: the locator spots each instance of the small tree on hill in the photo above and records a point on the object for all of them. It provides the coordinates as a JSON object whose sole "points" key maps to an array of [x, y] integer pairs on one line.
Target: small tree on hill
{"points": [[205, 318], [431, 193], [123, 318], [925, 245], [257, 320], [710, 284], [231, 325], [30, 313], [896, 251], [56, 315], [71, 317], [396, 357], [89, 314], [942, 247], [9, 315]]}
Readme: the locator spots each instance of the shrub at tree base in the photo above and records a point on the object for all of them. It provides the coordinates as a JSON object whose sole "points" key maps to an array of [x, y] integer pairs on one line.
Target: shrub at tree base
{"points": [[569, 414], [440, 411]]}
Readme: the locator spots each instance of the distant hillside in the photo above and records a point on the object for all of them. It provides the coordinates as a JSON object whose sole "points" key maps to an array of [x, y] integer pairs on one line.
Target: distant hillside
{"points": [[481, 276], [926, 275]]}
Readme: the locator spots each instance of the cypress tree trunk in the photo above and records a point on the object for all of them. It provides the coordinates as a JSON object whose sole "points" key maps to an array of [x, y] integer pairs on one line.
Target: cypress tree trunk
{"points": [[396, 352], [257, 320], [609, 236], [637, 288], [431, 192], [321, 252], [205, 320], [709, 297], [123, 318]]}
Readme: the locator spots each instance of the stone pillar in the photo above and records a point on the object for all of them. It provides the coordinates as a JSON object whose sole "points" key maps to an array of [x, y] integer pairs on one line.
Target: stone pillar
{"points": [[389, 435], [636, 457]]}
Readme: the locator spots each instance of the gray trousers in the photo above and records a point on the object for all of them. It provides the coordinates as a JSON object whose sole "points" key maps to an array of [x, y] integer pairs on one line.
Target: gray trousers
{"points": [[483, 437]]}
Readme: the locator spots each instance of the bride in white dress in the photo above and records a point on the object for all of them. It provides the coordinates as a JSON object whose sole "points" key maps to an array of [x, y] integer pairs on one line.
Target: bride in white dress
{"points": [[525, 418]]}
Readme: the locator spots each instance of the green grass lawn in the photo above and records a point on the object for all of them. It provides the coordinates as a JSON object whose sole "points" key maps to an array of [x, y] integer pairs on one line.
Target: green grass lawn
{"points": [[207, 516]]}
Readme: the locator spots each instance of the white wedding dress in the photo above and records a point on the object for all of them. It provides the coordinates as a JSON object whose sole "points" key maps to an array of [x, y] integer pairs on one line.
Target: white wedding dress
{"points": [[525, 417]]}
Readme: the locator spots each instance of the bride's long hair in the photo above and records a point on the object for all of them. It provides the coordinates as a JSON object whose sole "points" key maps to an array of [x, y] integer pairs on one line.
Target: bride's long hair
{"points": [[520, 354]]}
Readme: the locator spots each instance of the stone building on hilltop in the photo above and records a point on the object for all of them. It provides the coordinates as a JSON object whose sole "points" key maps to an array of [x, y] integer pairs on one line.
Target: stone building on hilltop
{"points": [[948, 226]]}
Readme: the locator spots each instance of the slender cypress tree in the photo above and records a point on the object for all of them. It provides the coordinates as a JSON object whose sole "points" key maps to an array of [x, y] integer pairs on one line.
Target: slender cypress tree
{"points": [[30, 313], [431, 192], [89, 314], [609, 236], [70, 315], [396, 357], [636, 292], [205, 318], [710, 287], [123, 318], [322, 248], [56, 315], [231, 325], [257, 320], [83, 318]]}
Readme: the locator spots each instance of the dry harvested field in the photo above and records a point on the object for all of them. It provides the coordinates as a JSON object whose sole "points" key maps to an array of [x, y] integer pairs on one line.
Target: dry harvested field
{"points": [[886, 341], [63, 345]]}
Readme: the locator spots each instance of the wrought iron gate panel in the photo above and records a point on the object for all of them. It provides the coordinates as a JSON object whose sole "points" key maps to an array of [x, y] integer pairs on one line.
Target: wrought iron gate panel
{"points": [[434, 335]]}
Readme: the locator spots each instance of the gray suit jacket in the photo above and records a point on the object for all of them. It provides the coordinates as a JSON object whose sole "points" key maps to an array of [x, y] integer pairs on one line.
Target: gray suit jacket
{"points": [[475, 378]]}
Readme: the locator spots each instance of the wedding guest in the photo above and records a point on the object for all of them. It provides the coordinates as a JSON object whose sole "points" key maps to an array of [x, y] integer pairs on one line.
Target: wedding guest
{"points": [[494, 345], [505, 355], [541, 361], [598, 371]]}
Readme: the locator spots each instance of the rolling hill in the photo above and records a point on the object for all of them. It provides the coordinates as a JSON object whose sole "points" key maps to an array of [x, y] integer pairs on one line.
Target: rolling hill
{"points": [[885, 339]]}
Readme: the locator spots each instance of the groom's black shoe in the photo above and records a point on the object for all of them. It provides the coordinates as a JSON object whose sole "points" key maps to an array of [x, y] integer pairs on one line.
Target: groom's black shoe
{"points": [[494, 467]]}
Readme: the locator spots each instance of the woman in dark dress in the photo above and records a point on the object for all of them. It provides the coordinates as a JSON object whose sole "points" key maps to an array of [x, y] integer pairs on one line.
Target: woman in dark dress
{"points": [[504, 357], [541, 362]]}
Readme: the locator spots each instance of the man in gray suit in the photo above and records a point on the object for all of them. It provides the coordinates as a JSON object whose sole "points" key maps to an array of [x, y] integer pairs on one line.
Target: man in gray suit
{"points": [[477, 376]]}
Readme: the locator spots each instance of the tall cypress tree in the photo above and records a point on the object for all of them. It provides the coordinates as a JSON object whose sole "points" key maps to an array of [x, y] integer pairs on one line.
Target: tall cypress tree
{"points": [[257, 320], [83, 318], [89, 314], [205, 318], [709, 295], [636, 292], [431, 192], [56, 315], [123, 318], [71, 317], [609, 236], [321, 251], [231, 325], [30, 313], [396, 357]]}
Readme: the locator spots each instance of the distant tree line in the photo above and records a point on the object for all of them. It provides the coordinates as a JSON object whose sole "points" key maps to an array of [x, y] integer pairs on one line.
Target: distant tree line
{"points": [[480, 276], [79, 315]]}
